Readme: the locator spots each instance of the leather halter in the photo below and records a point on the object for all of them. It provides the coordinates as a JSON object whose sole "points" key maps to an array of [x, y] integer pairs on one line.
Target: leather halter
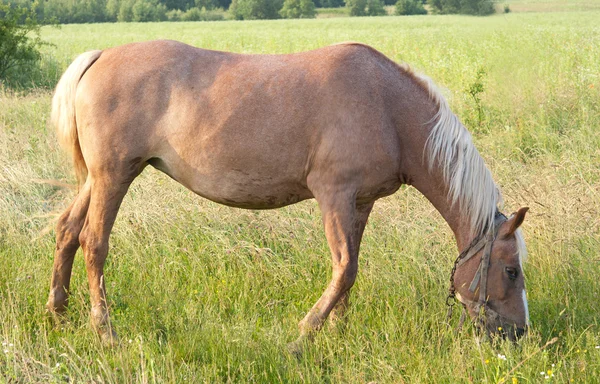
{"points": [[485, 241]]}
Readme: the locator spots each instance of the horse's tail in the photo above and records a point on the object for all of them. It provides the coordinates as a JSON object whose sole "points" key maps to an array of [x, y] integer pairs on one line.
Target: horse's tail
{"points": [[63, 110]]}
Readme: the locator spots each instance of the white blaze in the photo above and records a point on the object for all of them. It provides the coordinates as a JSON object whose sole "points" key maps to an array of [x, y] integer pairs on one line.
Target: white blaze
{"points": [[526, 308]]}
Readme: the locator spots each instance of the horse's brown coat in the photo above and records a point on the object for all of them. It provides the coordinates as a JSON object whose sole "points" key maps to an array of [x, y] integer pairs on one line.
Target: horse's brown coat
{"points": [[342, 124]]}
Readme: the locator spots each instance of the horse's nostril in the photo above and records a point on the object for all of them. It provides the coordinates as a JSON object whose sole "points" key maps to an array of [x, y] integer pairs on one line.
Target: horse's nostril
{"points": [[521, 331]]}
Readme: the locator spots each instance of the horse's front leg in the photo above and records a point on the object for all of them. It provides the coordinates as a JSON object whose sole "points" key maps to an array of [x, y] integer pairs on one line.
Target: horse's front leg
{"points": [[339, 310], [344, 223]]}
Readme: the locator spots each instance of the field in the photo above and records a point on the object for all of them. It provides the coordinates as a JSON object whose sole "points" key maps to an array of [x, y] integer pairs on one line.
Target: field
{"points": [[205, 293]]}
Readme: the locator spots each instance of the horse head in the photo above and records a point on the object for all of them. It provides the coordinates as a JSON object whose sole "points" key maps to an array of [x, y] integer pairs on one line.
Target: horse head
{"points": [[488, 279]]}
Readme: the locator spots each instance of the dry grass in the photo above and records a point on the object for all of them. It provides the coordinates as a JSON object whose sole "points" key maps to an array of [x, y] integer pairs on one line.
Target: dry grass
{"points": [[205, 293]]}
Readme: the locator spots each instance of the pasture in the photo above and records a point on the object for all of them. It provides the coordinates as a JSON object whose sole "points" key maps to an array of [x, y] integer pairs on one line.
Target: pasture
{"points": [[205, 293]]}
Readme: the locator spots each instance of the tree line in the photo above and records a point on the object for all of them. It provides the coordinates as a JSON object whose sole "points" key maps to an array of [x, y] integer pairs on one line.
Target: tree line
{"points": [[100, 11]]}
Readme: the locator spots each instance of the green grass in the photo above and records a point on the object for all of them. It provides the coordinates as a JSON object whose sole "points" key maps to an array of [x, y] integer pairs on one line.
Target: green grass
{"points": [[205, 293]]}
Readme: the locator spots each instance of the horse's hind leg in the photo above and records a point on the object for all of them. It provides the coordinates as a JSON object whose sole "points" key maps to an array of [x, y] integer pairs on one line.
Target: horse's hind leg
{"points": [[67, 242], [344, 223], [107, 192]]}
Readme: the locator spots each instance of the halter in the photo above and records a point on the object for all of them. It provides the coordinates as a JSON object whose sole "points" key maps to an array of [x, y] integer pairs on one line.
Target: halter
{"points": [[485, 241]]}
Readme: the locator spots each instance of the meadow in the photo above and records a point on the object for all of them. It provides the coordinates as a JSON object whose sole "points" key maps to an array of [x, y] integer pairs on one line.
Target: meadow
{"points": [[205, 293]]}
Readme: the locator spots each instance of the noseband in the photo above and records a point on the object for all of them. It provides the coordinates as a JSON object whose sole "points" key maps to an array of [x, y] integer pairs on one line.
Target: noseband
{"points": [[485, 241]]}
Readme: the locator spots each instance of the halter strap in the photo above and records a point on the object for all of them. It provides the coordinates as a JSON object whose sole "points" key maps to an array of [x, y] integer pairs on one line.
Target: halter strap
{"points": [[485, 241]]}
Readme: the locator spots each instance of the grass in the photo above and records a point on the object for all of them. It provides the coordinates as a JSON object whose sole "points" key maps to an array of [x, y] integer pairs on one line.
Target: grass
{"points": [[205, 293]]}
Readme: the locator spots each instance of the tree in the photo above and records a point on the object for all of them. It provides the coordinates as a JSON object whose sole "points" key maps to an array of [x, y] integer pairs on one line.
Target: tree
{"points": [[19, 39], [356, 7], [410, 7], [255, 9], [465, 7], [375, 8], [365, 7], [298, 9], [148, 10]]}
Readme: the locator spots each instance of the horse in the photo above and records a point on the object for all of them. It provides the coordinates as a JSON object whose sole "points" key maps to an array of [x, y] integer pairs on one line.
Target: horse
{"points": [[342, 124]]}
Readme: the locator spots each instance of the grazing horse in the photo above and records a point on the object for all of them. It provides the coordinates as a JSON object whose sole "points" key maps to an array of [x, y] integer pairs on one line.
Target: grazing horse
{"points": [[343, 124]]}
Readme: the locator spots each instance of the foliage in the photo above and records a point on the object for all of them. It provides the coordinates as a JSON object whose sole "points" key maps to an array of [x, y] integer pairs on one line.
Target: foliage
{"points": [[365, 7], [20, 40], [298, 9], [356, 7], [97, 11], [375, 8], [329, 3], [410, 7], [474, 90], [465, 7], [255, 9], [148, 10]]}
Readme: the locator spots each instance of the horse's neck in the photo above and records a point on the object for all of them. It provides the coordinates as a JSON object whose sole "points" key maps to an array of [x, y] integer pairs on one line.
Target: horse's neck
{"points": [[432, 187]]}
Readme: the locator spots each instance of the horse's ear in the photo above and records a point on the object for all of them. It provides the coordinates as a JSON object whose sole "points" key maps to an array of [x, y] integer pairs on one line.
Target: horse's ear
{"points": [[515, 221]]}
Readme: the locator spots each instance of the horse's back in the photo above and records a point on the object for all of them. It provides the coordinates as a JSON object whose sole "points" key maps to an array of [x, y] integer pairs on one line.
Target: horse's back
{"points": [[232, 126]]}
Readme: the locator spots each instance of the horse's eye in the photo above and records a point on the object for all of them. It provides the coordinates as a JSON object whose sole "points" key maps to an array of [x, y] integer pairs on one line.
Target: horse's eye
{"points": [[512, 273]]}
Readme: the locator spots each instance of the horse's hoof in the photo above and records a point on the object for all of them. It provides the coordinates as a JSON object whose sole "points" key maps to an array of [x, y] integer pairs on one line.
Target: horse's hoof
{"points": [[109, 338], [295, 348], [55, 317]]}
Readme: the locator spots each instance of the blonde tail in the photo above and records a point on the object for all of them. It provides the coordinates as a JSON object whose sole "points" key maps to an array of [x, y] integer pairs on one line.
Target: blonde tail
{"points": [[63, 110]]}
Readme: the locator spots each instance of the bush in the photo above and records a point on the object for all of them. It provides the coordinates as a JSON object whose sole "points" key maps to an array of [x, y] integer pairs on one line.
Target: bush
{"points": [[195, 14], [19, 41], [356, 7], [174, 15], [375, 8], [365, 7], [410, 7], [148, 10], [255, 9], [298, 9], [465, 7]]}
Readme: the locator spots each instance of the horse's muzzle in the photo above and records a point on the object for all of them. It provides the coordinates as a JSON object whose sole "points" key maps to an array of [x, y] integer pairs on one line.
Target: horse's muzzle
{"points": [[495, 324]]}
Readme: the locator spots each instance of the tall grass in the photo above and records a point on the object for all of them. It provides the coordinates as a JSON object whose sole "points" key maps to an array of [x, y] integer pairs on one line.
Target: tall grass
{"points": [[205, 293]]}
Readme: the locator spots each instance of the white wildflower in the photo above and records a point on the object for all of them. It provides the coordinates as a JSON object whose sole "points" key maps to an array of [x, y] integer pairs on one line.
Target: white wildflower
{"points": [[502, 357]]}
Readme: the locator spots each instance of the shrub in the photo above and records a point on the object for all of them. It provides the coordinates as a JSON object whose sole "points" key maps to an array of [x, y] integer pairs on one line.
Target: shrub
{"points": [[148, 10], [356, 7], [466, 7], [410, 7], [298, 9], [365, 7], [255, 9], [19, 40], [375, 8], [506, 8], [174, 15], [192, 14]]}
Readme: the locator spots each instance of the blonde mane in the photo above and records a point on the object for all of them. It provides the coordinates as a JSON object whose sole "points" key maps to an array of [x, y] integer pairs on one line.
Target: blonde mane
{"points": [[450, 147]]}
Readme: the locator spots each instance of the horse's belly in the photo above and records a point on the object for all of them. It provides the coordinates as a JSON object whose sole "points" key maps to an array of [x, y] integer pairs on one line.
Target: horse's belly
{"points": [[236, 187], [250, 194]]}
